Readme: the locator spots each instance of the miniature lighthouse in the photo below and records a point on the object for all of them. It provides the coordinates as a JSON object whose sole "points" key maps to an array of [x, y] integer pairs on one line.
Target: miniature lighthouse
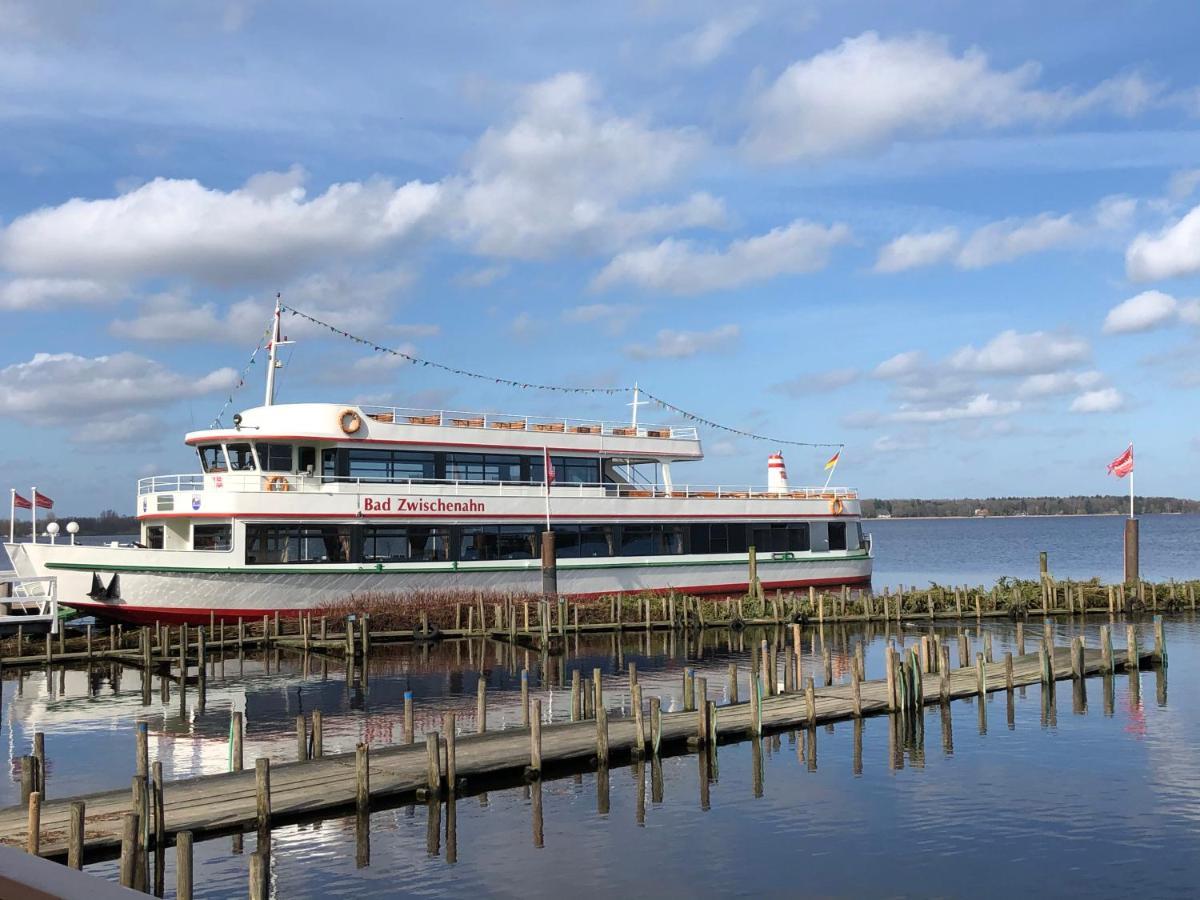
{"points": [[776, 474]]}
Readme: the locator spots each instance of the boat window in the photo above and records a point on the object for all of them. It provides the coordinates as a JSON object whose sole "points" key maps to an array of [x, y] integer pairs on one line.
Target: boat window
{"points": [[308, 460], [329, 464], [837, 535], [273, 457], [385, 544], [429, 543], [478, 542], [212, 537], [212, 459], [499, 467], [567, 470], [154, 537], [566, 541], [267, 544], [798, 538], [241, 457], [464, 466], [389, 465], [597, 540], [519, 542]]}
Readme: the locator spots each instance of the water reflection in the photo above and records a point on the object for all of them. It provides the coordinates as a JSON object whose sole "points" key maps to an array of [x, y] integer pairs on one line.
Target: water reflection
{"points": [[88, 713]]}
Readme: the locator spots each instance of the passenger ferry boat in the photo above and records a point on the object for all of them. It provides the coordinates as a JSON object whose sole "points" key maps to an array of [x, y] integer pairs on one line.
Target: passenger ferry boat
{"points": [[298, 506]]}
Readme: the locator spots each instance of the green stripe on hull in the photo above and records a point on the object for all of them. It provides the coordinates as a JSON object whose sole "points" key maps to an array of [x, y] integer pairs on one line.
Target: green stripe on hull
{"points": [[449, 568]]}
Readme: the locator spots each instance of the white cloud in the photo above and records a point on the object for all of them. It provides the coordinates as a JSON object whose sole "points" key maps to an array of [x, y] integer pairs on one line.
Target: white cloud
{"points": [[98, 392], [710, 41], [557, 176], [479, 278], [817, 382], [176, 227], [899, 365], [670, 344], [910, 251], [981, 406], [51, 293], [1099, 401], [140, 429], [870, 90], [1014, 353], [613, 317], [887, 443], [1006, 240], [1143, 312], [1173, 251], [679, 267], [1183, 184], [1050, 384]]}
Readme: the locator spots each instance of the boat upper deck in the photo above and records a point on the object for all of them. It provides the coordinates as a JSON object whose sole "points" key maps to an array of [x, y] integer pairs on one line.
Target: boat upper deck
{"points": [[327, 422]]}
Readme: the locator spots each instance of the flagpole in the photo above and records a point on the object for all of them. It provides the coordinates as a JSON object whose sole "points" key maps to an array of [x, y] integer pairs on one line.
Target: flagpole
{"points": [[829, 477], [1131, 484], [33, 517], [12, 515]]}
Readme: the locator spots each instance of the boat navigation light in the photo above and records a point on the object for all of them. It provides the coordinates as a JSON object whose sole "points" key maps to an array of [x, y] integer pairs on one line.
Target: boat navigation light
{"points": [[52, 530], [72, 530], [237, 420]]}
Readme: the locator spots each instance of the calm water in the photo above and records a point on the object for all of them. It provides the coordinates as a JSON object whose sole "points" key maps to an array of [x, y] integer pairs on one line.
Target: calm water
{"points": [[1077, 795], [1052, 796]]}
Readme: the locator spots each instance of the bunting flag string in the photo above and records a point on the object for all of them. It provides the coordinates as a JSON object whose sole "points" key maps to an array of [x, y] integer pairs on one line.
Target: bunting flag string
{"points": [[262, 341], [530, 385]]}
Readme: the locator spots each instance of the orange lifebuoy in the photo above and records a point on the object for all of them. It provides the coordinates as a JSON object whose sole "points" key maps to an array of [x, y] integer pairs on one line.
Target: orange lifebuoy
{"points": [[350, 421], [836, 506], [278, 483]]}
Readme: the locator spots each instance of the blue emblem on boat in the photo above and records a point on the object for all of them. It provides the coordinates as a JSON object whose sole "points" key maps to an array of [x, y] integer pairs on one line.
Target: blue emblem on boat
{"points": [[195, 501]]}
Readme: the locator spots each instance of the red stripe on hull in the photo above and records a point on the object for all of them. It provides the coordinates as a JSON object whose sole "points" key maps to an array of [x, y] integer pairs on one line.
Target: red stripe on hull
{"points": [[148, 615]]}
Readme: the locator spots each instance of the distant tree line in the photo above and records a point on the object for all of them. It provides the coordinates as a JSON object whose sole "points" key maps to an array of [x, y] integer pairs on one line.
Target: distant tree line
{"points": [[108, 522], [1027, 506]]}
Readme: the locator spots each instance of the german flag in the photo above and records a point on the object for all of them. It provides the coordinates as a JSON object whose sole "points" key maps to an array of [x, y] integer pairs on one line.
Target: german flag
{"points": [[833, 461]]}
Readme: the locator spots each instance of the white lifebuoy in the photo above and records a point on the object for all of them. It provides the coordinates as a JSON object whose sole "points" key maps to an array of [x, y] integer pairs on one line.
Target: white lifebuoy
{"points": [[350, 421]]}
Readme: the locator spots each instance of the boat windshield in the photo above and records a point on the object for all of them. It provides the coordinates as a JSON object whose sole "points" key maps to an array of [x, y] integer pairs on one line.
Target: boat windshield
{"points": [[212, 458]]}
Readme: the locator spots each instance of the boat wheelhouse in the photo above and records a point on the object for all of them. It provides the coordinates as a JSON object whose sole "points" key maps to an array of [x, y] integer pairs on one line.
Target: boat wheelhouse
{"points": [[301, 506]]}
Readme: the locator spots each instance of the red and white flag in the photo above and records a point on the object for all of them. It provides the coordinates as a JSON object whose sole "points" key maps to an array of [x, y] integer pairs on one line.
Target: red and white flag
{"points": [[549, 468], [42, 501], [20, 502], [1123, 464]]}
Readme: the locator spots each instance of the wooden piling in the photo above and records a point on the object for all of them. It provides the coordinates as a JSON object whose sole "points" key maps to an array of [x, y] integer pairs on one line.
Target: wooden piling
{"points": [[1160, 643], [33, 840], [262, 795], [235, 742], [39, 758], [129, 848], [75, 841], [318, 734], [1008, 671], [639, 724], [655, 725], [1077, 664], [1131, 643], [576, 697], [258, 876], [702, 711], [183, 865], [1106, 652], [601, 735], [301, 739], [889, 656], [481, 705], [433, 763], [980, 676], [535, 739], [362, 779], [810, 703]]}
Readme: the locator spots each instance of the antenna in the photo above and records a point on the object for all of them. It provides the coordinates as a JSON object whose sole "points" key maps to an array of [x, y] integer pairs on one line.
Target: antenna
{"points": [[272, 360]]}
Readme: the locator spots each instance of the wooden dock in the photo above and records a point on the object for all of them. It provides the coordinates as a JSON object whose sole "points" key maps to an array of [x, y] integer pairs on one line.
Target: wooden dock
{"points": [[268, 794]]}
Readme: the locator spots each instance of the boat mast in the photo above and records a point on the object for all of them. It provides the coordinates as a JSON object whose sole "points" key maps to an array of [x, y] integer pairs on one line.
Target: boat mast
{"points": [[273, 347]]}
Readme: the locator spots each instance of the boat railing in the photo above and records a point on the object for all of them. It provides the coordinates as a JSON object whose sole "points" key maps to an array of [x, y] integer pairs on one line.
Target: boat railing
{"points": [[304, 483], [33, 600], [161, 484], [454, 418]]}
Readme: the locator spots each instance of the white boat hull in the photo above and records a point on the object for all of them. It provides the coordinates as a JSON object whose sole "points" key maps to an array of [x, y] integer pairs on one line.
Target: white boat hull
{"points": [[150, 588]]}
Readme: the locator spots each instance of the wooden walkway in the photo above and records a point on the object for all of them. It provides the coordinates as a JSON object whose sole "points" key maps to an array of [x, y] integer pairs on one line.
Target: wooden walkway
{"points": [[228, 802]]}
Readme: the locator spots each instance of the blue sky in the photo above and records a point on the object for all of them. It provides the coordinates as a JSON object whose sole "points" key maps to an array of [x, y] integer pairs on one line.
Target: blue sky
{"points": [[963, 239]]}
